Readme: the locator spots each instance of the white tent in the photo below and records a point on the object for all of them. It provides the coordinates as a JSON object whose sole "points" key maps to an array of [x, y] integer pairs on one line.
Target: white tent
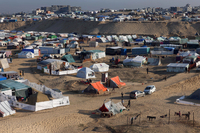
{"points": [[36, 43], [14, 44], [26, 42], [3, 43], [73, 44], [177, 67], [100, 67], [4, 63], [17, 40], [25, 54], [101, 19], [93, 44], [86, 73], [138, 61]]}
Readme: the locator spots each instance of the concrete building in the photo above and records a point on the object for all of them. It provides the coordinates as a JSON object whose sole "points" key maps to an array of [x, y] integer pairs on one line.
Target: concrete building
{"points": [[37, 11], [61, 8], [175, 9]]}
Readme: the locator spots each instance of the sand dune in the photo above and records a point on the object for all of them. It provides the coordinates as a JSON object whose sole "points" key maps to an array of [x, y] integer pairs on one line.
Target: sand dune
{"points": [[88, 27]]}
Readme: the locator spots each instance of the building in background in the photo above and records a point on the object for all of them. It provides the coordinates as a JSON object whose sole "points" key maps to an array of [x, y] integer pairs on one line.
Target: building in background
{"points": [[61, 8]]}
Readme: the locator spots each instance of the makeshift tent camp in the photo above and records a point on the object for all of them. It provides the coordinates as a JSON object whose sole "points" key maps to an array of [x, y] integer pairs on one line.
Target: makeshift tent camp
{"points": [[5, 53], [138, 61], [17, 40], [193, 44], [51, 65], [177, 67], [85, 73], [68, 58], [100, 67], [154, 61], [93, 54], [19, 89], [73, 44], [3, 43], [140, 50], [101, 40], [5, 109], [112, 107], [36, 52], [9, 74], [116, 82], [4, 63], [25, 54], [93, 44], [2, 78], [113, 51], [95, 88]]}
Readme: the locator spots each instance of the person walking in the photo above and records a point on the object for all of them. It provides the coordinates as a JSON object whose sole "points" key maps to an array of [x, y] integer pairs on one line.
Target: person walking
{"points": [[129, 103], [147, 70], [186, 70], [122, 95], [165, 78], [22, 72]]}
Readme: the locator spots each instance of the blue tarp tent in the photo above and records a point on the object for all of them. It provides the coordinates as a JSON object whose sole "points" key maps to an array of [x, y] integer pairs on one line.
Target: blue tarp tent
{"points": [[169, 48], [144, 46], [139, 40], [2, 78]]}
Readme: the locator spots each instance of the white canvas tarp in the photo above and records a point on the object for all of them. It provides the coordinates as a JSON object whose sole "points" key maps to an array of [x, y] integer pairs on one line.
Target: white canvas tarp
{"points": [[100, 67], [5, 109], [98, 55], [4, 63], [138, 61], [2, 43], [114, 108], [177, 67], [25, 54], [85, 73]]}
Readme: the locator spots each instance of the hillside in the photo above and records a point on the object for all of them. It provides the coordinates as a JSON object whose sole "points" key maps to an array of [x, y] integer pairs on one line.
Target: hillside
{"points": [[88, 27]]}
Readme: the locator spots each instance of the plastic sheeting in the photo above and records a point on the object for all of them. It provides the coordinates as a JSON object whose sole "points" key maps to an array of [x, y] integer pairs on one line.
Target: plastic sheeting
{"points": [[4, 63], [6, 109], [25, 54], [100, 67], [86, 73]]}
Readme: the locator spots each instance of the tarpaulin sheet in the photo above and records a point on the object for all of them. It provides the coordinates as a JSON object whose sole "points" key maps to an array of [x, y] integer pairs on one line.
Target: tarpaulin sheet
{"points": [[117, 81]]}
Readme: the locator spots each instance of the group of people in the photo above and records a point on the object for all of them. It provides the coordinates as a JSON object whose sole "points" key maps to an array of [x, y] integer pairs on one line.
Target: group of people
{"points": [[129, 101]]}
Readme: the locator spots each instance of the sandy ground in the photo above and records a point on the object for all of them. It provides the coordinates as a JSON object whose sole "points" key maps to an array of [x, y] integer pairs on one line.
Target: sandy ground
{"points": [[79, 117]]}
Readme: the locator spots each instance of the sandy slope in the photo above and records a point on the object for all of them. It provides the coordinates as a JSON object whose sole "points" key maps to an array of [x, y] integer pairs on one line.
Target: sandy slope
{"points": [[87, 27]]}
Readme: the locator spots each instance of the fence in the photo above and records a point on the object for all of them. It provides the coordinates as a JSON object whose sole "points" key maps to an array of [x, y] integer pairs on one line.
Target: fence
{"points": [[59, 100]]}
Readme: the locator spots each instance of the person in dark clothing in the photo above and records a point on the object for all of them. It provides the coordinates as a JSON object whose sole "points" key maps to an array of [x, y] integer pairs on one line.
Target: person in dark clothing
{"points": [[165, 78], [129, 103], [22, 72], [186, 70], [122, 94], [147, 70], [145, 42], [113, 88]]}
